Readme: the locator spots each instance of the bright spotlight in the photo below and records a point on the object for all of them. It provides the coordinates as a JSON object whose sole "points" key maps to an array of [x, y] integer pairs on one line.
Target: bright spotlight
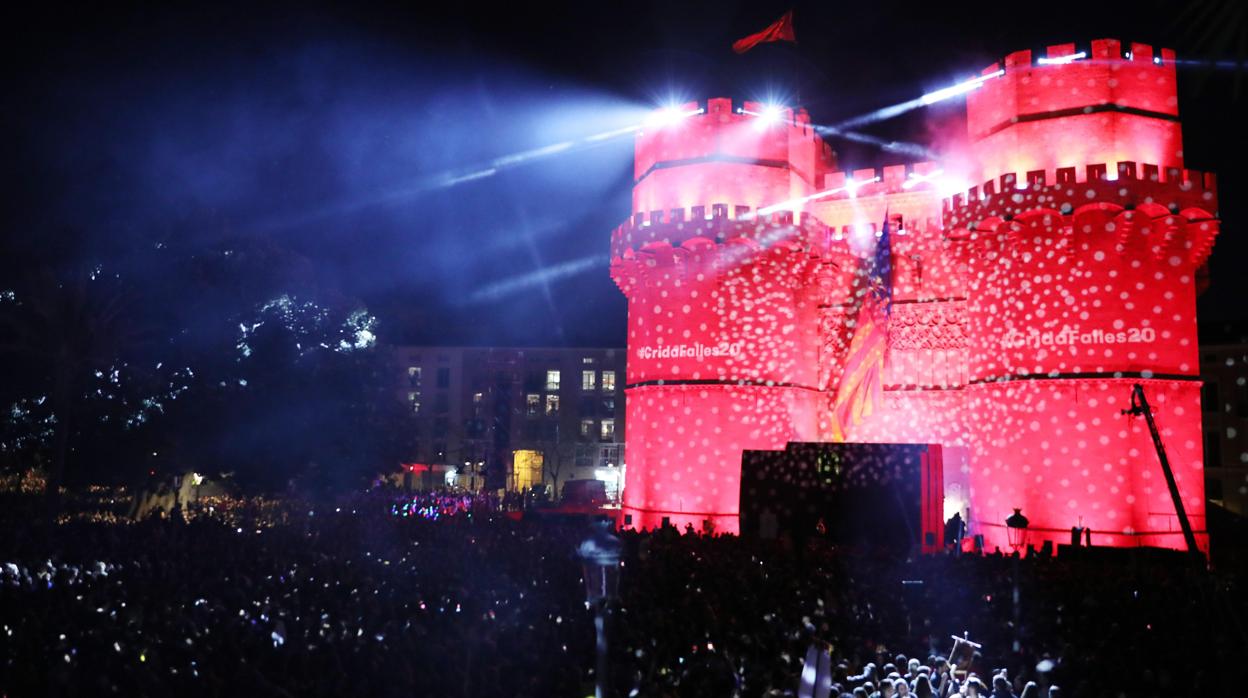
{"points": [[852, 186], [770, 114], [668, 116], [662, 118]]}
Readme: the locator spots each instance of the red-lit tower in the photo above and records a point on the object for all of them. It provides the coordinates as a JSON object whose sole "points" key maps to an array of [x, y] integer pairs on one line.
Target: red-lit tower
{"points": [[1081, 248], [722, 309], [1073, 108], [1024, 310]]}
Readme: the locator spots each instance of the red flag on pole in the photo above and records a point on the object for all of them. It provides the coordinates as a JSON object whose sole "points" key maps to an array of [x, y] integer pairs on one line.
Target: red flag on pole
{"points": [[780, 30]]}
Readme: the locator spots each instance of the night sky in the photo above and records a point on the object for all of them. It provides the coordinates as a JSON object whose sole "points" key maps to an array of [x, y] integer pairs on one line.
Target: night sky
{"points": [[331, 132]]}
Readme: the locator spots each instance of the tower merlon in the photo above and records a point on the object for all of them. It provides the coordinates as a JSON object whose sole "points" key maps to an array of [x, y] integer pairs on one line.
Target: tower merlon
{"points": [[890, 179], [1173, 187], [1145, 211], [714, 224]]}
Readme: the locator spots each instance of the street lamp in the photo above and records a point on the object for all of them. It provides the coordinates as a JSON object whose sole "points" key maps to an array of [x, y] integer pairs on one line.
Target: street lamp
{"points": [[600, 567], [1016, 528]]}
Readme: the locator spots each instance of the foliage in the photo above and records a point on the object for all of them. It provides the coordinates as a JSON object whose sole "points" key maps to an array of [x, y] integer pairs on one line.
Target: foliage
{"points": [[63, 328], [283, 392], [303, 398]]}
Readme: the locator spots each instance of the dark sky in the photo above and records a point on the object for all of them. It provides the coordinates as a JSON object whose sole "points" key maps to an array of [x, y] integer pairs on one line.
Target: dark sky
{"points": [[325, 130]]}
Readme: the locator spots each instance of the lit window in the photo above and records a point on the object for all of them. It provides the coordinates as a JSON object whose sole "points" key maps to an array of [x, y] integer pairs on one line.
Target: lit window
{"points": [[526, 469], [552, 405], [608, 430], [477, 398], [587, 380], [608, 381], [552, 380], [533, 403], [587, 360], [587, 427], [413, 375]]}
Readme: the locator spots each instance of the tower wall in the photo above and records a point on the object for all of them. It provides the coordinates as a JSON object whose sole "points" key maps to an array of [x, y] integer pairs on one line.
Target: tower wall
{"points": [[723, 357], [1105, 108], [1024, 310], [725, 155], [1061, 451], [925, 366], [1076, 290], [1084, 277], [722, 306]]}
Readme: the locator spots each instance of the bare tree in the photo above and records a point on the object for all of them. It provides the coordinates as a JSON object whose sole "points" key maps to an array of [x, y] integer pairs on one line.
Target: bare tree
{"points": [[557, 459], [68, 325]]}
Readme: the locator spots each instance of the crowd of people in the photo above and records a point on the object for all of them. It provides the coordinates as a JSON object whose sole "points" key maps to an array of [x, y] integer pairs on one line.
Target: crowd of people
{"points": [[438, 504], [354, 600]]}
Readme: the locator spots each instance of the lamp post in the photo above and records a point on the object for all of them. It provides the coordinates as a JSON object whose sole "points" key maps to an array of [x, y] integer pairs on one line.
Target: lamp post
{"points": [[1016, 528], [600, 567]]}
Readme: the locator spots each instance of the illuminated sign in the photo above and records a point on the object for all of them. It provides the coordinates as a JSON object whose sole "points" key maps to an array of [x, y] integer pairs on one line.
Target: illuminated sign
{"points": [[697, 351], [1034, 338]]}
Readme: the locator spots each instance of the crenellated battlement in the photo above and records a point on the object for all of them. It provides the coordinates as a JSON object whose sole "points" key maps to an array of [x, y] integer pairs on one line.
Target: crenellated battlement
{"points": [[891, 179], [1146, 212], [1099, 52], [1108, 76], [725, 110], [1128, 183], [1101, 102], [720, 150], [722, 127], [920, 179], [717, 223]]}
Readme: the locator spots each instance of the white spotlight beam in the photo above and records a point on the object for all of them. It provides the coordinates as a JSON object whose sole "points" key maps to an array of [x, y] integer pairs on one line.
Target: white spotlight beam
{"points": [[1062, 60], [851, 186], [959, 89], [902, 147], [668, 116], [514, 284], [916, 178], [930, 98], [772, 114]]}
